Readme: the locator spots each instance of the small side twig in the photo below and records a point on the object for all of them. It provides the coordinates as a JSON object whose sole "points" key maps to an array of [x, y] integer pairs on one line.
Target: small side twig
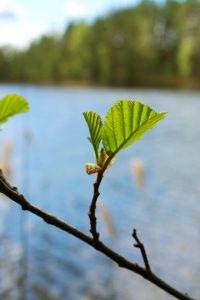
{"points": [[142, 249], [92, 209]]}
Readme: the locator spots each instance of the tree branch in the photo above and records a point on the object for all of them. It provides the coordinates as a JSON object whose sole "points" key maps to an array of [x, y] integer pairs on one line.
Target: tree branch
{"points": [[13, 194], [142, 249], [92, 209]]}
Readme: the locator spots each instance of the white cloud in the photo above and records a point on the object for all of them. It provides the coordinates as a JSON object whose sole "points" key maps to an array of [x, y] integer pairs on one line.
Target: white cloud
{"points": [[20, 34], [15, 27], [12, 8], [20, 25], [75, 10], [88, 9], [125, 2]]}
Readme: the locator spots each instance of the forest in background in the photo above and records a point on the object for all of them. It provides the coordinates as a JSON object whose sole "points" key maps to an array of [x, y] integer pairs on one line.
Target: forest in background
{"points": [[145, 45]]}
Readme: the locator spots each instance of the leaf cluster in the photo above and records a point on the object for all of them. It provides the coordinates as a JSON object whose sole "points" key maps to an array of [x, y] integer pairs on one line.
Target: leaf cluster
{"points": [[125, 122]]}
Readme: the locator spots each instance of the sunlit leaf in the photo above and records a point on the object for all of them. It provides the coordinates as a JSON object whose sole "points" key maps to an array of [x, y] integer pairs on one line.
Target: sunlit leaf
{"points": [[125, 122], [11, 105], [94, 124]]}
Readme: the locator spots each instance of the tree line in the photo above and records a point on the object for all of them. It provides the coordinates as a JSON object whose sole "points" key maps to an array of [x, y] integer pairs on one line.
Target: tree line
{"points": [[149, 44]]}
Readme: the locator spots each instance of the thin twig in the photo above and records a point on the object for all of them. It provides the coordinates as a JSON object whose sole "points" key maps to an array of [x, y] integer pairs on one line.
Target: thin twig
{"points": [[142, 250], [122, 262], [92, 209]]}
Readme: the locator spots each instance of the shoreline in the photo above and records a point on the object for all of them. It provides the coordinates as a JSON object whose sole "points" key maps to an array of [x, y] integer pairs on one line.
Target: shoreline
{"points": [[161, 83]]}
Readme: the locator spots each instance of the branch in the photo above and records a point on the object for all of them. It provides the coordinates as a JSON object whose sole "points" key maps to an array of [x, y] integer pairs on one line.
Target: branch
{"points": [[13, 194], [142, 249], [92, 209]]}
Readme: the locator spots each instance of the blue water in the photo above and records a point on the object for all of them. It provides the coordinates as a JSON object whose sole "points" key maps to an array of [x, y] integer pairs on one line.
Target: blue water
{"points": [[49, 150]]}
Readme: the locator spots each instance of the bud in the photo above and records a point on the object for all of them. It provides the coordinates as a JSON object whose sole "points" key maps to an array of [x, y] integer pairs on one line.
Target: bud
{"points": [[103, 157], [92, 168]]}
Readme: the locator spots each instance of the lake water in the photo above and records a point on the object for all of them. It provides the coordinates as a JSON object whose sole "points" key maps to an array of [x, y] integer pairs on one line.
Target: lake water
{"points": [[49, 149]]}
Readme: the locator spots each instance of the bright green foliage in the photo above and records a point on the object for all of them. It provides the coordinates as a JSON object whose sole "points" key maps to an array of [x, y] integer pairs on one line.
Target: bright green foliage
{"points": [[94, 124], [11, 105], [125, 122]]}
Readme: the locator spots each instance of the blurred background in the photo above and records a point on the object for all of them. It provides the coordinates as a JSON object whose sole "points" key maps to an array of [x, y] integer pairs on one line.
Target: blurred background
{"points": [[66, 57]]}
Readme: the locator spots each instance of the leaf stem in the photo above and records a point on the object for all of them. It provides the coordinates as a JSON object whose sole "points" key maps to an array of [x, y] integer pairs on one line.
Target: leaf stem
{"points": [[108, 160]]}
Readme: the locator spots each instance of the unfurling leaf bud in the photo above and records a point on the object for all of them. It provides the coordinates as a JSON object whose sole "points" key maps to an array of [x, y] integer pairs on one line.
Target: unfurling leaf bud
{"points": [[103, 157], [91, 168]]}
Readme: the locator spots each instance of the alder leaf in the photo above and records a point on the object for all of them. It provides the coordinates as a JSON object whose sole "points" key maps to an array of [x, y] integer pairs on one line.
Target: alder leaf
{"points": [[11, 105], [95, 125], [125, 122]]}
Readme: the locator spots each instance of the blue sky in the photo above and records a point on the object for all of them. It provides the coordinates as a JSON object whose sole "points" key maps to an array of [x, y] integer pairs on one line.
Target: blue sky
{"points": [[24, 20]]}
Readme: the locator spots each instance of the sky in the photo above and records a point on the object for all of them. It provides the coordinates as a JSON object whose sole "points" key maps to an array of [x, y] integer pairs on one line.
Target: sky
{"points": [[22, 21]]}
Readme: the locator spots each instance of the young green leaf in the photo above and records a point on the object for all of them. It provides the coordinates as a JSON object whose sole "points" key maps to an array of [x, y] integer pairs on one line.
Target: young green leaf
{"points": [[11, 105], [94, 124], [125, 122]]}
